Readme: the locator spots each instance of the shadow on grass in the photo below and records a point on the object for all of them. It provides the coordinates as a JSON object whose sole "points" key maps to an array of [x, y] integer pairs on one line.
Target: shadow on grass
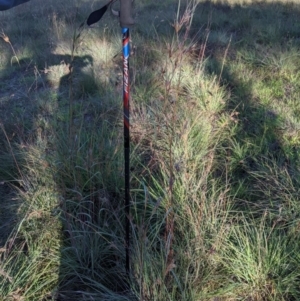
{"points": [[69, 119], [254, 51], [89, 154]]}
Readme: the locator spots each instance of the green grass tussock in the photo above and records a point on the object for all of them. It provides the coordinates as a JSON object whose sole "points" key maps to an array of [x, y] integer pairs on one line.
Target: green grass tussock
{"points": [[214, 153]]}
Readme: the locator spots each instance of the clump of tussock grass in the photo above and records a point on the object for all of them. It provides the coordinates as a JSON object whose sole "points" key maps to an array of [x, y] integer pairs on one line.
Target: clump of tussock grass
{"points": [[32, 252], [185, 204], [261, 261]]}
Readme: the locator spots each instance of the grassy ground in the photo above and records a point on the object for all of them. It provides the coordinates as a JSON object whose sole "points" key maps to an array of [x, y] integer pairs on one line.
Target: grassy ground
{"points": [[215, 141]]}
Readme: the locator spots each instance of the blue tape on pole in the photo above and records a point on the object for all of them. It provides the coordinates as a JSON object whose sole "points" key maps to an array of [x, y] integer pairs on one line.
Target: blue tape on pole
{"points": [[124, 30], [126, 47]]}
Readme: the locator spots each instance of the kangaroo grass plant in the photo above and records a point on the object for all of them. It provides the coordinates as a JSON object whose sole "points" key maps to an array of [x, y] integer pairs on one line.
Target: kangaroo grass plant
{"points": [[184, 201], [260, 260]]}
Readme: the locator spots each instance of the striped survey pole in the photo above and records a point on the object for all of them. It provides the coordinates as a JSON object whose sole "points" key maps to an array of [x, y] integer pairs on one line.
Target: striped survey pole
{"points": [[126, 21], [126, 90]]}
